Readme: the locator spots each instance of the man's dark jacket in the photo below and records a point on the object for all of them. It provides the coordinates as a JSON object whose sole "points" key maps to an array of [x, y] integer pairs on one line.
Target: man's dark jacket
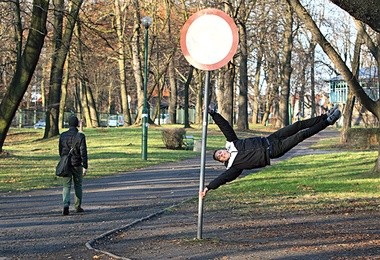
{"points": [[251, 153], [79, 154]]}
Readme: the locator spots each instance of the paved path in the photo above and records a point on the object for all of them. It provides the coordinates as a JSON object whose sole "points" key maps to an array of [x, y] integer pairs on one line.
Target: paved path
{"points": [[32, 227]]}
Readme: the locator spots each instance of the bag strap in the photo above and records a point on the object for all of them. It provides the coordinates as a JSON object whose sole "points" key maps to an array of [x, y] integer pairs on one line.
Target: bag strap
{"points": [[75, 142]]}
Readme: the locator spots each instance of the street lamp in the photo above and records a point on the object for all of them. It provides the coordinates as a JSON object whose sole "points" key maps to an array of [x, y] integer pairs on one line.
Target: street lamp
{"points": [[146, 22]]}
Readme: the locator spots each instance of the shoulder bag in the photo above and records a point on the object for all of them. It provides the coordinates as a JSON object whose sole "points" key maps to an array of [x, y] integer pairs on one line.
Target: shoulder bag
{"points": [[64, 167]]}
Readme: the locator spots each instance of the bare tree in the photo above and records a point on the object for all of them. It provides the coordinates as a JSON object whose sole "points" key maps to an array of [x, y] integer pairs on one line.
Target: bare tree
{"points": [[285, 69], [26, 63], [258, 39], [358, 91], [136, 58], [186, 97], [271, 98], [256, 87], [243, 15], [173, 100], [88, 107], [225, 92], [120, 27], [348, 109], [65, 83], [373, 45], [335, 58], [62, 43]]}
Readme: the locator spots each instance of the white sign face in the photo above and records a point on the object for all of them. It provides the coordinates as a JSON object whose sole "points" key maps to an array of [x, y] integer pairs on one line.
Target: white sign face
{"points": [[209, 39]]}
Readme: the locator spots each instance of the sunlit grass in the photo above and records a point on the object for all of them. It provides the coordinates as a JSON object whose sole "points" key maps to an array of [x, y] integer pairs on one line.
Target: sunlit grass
{"points": [[331, 181], [31, 160], [324, 181]]}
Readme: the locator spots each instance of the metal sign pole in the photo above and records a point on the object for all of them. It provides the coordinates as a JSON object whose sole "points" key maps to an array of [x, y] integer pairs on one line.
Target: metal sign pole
{"points": [[209, 40], [203, 154]]}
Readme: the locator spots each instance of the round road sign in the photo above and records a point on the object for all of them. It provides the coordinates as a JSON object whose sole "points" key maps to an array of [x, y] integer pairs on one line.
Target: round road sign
{"points": [[209, 39]]}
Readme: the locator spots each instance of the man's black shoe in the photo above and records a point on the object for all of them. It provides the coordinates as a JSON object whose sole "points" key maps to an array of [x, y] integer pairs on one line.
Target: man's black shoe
{"points": [[331, 119], [80, 210], [332, 110], [65, 211]]}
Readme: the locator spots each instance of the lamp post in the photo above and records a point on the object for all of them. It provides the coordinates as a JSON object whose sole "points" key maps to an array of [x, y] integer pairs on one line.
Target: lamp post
{"points": [[146, 22]]}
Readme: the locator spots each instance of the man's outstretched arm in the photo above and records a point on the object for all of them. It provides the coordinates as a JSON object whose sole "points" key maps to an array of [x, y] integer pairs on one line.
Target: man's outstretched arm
{"points": [[227, 176], [203, 193], [224, 126]]}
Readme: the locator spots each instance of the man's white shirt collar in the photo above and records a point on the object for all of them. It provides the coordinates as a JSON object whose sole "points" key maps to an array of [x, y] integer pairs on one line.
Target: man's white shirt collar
{"points": [[233, 153]]}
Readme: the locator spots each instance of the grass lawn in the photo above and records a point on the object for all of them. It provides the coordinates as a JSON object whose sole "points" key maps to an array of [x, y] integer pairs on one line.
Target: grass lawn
{"points": [[305, 183], [29, 161], [294, 183]]}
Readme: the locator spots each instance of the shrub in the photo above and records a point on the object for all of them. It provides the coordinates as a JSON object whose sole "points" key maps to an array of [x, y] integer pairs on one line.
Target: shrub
{"points": [[364, 138], [173, 137]]}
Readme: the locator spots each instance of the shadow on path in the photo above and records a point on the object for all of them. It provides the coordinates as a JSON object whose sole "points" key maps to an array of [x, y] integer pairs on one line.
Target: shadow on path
{"points": [[32, 226]]}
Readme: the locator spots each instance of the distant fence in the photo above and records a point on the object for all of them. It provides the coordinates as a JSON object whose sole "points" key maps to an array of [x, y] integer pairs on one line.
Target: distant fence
{"points": [[29, 117]]}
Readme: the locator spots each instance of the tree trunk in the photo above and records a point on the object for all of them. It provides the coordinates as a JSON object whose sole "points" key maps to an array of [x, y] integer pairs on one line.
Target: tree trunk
{"points": [[268, 117], [65, 82], [25, 66], [186, 97], [286, 70], [376, 168], [110, 91], [242, 121], [136, 60], [173, 92], [268, 114], [312, 78], [189, 77], [256, 88], [92, 107], [85, 113], [122, 63], [173, 99], [199, 97], [58, 60], [43, 86], [89, 109], [301, 94], [347, 117], [347, 113], [225, 92], [55, 92]]}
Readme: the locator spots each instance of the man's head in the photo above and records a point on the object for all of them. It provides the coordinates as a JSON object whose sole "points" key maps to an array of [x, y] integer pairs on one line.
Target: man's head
{"points": [[73, 121], [221, 155]]}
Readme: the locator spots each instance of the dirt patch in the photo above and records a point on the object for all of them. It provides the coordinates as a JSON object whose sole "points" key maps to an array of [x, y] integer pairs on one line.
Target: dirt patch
{"points": [[272, 234]]}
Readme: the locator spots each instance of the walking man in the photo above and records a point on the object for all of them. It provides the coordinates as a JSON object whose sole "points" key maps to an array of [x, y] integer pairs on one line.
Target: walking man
{"points": [[256, 152], [79, 162]]}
